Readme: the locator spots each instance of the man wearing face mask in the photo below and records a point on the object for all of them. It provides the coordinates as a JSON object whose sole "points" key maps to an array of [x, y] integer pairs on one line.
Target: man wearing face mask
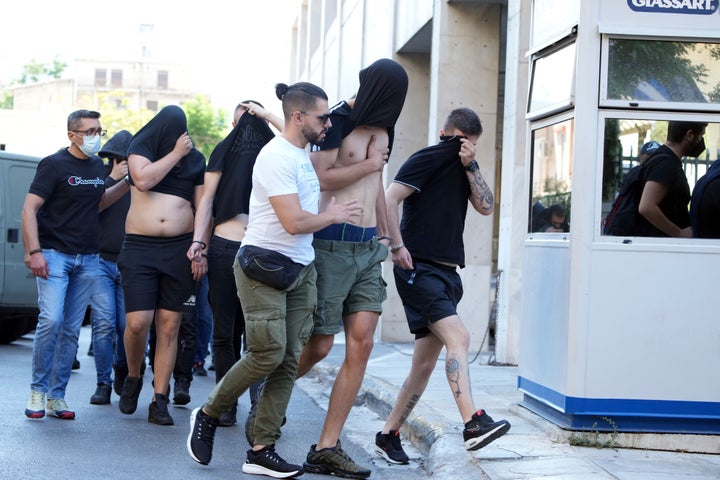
{"points": [[664, 202], [60, 229]]}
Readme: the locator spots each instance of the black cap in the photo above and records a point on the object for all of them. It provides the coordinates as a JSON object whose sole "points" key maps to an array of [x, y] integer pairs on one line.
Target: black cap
{"points": [[117, 146]]}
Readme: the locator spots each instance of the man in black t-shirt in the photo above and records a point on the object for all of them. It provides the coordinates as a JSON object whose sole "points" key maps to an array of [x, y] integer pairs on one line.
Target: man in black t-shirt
{"points": [[60, 229], [435, 186], [664, 202]]}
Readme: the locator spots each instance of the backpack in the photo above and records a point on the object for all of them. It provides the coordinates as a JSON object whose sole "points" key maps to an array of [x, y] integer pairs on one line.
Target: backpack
{"points": [[712, 173], [623, 216]]}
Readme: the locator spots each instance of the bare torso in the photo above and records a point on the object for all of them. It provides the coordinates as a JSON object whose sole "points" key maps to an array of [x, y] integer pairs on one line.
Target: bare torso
{"points": [[365, 190], [158, 214], [232, 229]]}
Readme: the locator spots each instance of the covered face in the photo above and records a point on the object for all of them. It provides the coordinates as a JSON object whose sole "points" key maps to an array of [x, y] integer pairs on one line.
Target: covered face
{"points": [[381, 95], [157, 138]]}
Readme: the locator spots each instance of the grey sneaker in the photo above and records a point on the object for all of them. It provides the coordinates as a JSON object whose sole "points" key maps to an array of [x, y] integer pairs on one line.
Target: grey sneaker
{"points": [[481, 430], [334, 461], [268, 462], [56, 407], [36, 405]]}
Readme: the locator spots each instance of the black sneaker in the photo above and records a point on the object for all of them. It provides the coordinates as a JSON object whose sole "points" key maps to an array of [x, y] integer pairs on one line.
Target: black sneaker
{"points": [[199, 370], [268, 462], [129, 395], [202, 436], [181, 391], [101, 395], [388, 446], [121, 373], [76, 364], [229, 417], [158, 411], [334, 461], [482, 430]]}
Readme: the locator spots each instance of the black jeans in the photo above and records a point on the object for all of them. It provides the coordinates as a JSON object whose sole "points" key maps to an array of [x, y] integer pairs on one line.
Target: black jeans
{"points": [[228, 319]]}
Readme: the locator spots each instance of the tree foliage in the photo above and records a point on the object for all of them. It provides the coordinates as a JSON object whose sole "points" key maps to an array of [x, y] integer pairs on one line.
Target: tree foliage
{"points": [[35, 72], [206, 126]]}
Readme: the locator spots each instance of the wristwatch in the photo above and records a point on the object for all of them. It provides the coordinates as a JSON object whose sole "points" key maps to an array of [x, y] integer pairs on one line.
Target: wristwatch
{"points": [[472, 166]]}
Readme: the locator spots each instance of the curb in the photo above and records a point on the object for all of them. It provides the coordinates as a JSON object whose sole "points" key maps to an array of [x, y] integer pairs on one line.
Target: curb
{"points": [[425, 428]]}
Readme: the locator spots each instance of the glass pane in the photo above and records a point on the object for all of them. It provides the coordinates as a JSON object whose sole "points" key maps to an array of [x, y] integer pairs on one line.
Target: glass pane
{"points": [[552, 155], [551, 18], [663, 71], [623, 149], [552, 81]]}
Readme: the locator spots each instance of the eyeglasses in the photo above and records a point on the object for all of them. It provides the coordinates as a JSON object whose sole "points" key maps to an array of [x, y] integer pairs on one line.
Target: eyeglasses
{"points": [[323, 118], [91, 132]]}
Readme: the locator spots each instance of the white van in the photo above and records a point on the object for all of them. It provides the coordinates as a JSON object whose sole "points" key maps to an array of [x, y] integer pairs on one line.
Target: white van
{"points": [[18, 289]]}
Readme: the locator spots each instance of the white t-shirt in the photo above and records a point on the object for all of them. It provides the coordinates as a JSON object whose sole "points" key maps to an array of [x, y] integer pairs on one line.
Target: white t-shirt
{"points": [[281, 168]]}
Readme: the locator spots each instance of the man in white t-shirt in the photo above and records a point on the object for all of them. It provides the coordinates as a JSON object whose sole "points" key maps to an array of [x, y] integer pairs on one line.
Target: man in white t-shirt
{"points": [[278, 322]]}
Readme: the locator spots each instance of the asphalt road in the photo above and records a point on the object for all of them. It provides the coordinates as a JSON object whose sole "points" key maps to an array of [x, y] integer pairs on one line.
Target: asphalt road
{"points": [[103, 443]]}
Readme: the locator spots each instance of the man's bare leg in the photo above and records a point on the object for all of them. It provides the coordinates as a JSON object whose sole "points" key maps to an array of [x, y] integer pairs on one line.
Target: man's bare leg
{"points": [[453, 334], [137, 325], [359, 330], [315, 350], [425, 354], [167, 324]]}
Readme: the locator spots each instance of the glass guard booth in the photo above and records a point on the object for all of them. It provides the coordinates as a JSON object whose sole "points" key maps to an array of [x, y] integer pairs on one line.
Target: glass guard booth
{"points": [[620, 331]]}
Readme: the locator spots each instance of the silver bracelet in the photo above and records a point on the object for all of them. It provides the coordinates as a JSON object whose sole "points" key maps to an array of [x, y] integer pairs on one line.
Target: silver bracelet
{"points": [[394, 248]]}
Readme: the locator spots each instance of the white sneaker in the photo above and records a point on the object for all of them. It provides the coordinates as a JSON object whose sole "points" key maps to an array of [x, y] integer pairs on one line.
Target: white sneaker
{"points": [[56, 407], [36, 405]]}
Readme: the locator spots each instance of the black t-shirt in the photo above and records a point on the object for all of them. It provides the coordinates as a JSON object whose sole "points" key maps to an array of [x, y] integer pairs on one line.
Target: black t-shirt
{"points": [[234, 157], [666, 168], [72, 189], [708, 214], [433, 218], [112, 224]]}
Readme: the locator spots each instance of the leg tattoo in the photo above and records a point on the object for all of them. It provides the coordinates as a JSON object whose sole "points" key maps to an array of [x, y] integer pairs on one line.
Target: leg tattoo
{"points": [[452, 370]]}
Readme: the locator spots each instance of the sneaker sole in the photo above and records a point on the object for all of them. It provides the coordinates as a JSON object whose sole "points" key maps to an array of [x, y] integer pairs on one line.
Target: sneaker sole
{"points": [[254, 469], [382, 453], [34, 413], [325, 470], [181, 399], [62, 415], [193, 415], [479, 442]]}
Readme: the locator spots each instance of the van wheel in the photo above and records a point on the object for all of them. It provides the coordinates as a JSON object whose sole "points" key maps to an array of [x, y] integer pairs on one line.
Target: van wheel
{"points": [[12, 328]]}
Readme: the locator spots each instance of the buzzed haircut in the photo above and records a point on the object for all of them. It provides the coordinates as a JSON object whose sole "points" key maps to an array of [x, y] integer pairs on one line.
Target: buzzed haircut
{"points": [[299, 96], [74, 120], [677, 130], [465, 120]]}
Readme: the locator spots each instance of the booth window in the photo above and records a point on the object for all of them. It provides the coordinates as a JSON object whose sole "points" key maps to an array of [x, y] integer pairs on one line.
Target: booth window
{"points": [[551, 83], [677, 75], [623, 140], [551, 188]]}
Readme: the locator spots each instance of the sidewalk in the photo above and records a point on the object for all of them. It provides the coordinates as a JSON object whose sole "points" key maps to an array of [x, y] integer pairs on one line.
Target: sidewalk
{"points": [[532, 449]]}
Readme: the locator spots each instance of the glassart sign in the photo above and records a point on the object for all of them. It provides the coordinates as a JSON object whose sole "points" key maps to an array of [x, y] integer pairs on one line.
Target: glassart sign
{"points": [[695, 7]]}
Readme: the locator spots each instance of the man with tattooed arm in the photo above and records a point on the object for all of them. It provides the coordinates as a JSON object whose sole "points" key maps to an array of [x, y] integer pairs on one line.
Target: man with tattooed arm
{"points": [[435, 185]]}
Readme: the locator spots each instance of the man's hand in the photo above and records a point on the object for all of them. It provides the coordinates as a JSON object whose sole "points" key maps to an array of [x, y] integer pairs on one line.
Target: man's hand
{"points": [[194, 253], [345, 211], [467, 151], [199, 267], [119, 170], [376, 157], [37, 263], [401, 257], [183, 145]]}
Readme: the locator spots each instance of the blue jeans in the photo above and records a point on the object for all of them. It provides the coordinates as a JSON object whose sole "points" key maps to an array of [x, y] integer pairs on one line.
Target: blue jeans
{"points": [[204, 320], [108, 321], [62, 299]]}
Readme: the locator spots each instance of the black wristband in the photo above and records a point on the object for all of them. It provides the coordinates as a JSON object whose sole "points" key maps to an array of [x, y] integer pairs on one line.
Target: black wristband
{"points": [[204, 245], [34, 251]]}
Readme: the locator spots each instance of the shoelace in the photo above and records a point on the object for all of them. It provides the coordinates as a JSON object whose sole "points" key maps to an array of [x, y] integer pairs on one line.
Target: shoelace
{"points": [[59, 404], [205, 431]]}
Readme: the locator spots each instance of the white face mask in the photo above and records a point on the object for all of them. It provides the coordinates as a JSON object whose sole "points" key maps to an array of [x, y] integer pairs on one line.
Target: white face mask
{"points": [[90, 145]]}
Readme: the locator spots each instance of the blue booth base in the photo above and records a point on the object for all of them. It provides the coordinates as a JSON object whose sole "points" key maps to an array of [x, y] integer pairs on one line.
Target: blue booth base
{"points": [[621, 415]]}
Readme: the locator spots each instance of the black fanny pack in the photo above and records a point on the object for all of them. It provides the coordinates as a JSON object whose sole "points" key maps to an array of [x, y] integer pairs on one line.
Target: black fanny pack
{"points": [[269, 267]]}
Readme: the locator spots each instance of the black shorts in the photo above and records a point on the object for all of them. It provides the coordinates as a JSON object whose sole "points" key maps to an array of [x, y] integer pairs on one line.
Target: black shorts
{"points": [[155, 272], [429, 293]]}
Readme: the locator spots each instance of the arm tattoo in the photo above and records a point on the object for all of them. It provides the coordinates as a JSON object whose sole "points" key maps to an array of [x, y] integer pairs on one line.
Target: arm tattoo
{"points": [[452, 370], [481, 191]]}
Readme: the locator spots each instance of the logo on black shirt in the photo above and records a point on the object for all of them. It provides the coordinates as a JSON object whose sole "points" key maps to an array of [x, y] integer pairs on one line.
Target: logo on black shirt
{"points": [[75, 181]]}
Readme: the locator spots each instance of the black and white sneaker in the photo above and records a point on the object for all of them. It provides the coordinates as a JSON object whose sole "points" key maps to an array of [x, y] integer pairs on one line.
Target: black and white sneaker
{"points": [[268, 462], [202, 436], [388, 446], [482, 430]]}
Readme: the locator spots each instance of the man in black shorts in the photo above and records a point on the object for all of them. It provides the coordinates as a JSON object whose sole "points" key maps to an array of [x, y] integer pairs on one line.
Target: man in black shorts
{"points": [[435, 185]]}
